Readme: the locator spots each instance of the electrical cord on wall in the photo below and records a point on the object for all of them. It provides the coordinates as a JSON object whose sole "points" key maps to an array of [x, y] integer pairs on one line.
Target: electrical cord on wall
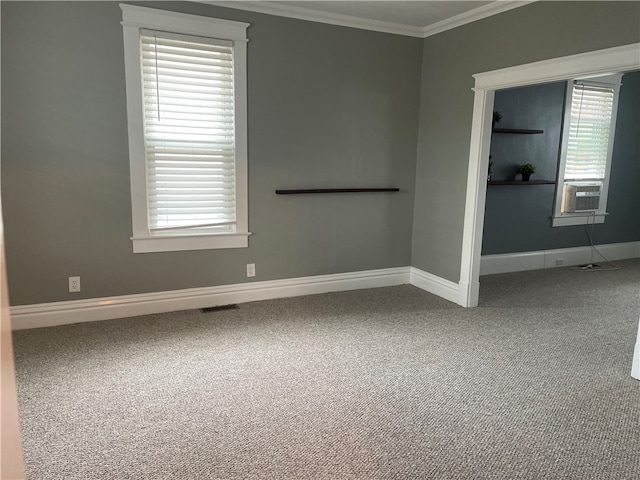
{"points": [[592, 267]]}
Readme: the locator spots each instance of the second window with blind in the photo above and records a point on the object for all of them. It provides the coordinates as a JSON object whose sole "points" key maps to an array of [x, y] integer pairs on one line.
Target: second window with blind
{"points": [[587, 145], [186, 102]]}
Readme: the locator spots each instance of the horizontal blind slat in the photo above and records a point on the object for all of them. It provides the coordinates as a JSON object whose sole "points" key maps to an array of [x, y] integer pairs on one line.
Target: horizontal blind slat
{"points": [[589, 132], [189, 133]]}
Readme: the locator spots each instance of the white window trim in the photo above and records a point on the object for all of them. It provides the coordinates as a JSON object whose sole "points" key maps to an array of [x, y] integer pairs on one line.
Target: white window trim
{"points": [[560, 219], [133, 20]]}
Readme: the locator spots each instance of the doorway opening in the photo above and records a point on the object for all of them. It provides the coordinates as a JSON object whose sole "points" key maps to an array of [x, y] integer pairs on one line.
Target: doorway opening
{"points": [[599, 62]]}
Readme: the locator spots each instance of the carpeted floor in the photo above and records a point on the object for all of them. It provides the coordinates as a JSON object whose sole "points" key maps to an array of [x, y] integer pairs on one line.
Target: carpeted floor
{"points": [[389, 383]]}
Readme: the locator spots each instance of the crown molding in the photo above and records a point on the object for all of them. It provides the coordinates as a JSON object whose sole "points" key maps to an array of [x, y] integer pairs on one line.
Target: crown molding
{"points": [[474, 15], [308, 14], [301, 13]]}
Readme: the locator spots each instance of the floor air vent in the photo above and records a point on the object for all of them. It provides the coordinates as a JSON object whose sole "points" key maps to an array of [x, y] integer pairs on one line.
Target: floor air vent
{"points": [[232, 306]]}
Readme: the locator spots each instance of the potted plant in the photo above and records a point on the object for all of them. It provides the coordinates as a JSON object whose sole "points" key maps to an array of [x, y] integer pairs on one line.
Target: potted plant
{"points": [[526, 170], [497, 116]]}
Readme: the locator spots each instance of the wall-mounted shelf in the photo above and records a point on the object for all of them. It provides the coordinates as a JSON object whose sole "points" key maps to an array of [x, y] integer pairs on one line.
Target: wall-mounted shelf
{"points": [[522, 131], [520, 182], [335, 190]]}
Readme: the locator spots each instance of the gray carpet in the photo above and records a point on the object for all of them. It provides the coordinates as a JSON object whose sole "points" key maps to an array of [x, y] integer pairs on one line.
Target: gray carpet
{"points": [[388, 383]]}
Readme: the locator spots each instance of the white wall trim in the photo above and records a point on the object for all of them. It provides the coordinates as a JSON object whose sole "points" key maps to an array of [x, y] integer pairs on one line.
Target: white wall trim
{"points": [[568, 219], [107, 308], [155, 19], [474, 15], [617, 59], [308, 14], [436, 285], [588, 64], [538, 260], [191, 242], [134, 19], [476, 197], [301, 13]]}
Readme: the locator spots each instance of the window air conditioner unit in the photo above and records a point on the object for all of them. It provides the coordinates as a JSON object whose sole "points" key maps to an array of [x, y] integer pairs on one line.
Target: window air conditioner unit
{"points": [[581, 197]]}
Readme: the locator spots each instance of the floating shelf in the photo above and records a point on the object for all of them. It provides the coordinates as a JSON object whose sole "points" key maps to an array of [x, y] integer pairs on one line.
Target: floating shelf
{"points": [[335, 190], [523, 131], [520, 182]]}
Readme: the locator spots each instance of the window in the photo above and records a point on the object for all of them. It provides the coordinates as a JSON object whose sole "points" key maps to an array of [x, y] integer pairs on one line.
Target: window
{"points": [[587, 145], [186, 109]]}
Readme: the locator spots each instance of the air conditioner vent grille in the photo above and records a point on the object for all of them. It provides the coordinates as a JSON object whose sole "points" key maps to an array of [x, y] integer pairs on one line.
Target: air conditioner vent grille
{"points": [[581, 197], [587, 203]]}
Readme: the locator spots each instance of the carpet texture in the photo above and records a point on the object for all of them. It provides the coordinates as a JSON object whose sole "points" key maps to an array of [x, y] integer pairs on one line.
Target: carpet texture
{"points": [[389, 383]]}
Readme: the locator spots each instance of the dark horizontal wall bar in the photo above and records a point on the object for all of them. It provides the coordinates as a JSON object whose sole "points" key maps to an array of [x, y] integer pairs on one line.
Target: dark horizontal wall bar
{"points": [[336, 190], [523, 131], [520, 182]]}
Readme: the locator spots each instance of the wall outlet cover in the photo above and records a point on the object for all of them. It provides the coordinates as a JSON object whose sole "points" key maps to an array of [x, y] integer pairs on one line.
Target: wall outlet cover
{"points": [[74, 284], [251, 269]]}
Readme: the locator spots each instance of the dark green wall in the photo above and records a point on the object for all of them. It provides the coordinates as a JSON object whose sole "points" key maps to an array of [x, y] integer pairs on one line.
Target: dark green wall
{"points": [[517, 218], [538, 31], [328, 107], [538, 107]]}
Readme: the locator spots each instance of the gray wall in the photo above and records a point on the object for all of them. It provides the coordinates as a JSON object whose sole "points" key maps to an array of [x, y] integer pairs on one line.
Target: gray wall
{"points": [[328, 107], [538, 31], [517, 218]]}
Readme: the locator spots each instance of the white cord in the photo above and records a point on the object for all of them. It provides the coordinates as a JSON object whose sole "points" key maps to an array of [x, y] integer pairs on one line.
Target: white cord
{"points": [[590, 267]]}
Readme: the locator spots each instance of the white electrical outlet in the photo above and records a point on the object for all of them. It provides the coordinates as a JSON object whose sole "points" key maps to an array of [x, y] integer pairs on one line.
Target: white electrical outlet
{"points": [[559, 261], [74, 284], [251, 269]]}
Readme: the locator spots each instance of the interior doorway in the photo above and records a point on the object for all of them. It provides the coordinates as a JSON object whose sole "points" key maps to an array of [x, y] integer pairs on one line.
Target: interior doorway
{"points": [[617, 59]]}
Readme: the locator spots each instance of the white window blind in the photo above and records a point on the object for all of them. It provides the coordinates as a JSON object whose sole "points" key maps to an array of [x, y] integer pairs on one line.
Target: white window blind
{"points": [[188, 102], [589, 132]]}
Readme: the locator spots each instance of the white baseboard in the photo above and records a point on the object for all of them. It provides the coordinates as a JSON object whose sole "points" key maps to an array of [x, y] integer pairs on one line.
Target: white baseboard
{"points": [[561, 257], [106, 308], [436, 285]]}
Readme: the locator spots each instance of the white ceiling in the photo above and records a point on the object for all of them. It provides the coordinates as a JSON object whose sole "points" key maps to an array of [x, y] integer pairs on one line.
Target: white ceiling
{"points": [[419, 18], [416, 14]]}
